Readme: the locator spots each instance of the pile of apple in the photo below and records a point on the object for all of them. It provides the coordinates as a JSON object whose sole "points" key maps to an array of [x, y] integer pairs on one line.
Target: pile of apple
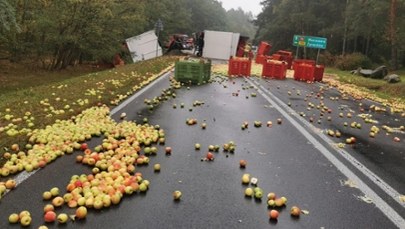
{"points": [[126, 145], [46, 145]]}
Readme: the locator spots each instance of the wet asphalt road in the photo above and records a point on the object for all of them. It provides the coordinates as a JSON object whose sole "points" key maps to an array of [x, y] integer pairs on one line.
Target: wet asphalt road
{"points": [[281, 157]]}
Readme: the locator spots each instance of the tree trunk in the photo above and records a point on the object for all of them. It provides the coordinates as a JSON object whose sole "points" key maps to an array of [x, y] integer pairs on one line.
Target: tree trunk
{"points": [[393, 34], [367, 44], [345, 30]]}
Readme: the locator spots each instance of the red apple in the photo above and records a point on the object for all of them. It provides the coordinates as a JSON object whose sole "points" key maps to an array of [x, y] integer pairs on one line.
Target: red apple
{"points": [[242, 163], [273, 214], [210, 156], [84, 146], [50, 216]]}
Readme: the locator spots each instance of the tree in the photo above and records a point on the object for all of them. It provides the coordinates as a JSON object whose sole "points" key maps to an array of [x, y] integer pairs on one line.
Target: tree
{"points": [[241, 22], [7, 16]]}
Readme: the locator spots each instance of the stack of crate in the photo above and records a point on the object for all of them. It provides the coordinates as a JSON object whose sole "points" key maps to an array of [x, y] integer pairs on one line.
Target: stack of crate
{"points": [[275, 69], [307, 70], [195, 71], [239, 66]]}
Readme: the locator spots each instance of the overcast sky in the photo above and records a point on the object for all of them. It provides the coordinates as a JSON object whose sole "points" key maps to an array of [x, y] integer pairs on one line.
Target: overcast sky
{"points": [[247, 5]]}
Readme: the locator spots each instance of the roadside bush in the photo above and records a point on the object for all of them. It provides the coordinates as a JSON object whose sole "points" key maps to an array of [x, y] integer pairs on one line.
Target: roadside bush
{"points": [[353, 61], [327, 59]]}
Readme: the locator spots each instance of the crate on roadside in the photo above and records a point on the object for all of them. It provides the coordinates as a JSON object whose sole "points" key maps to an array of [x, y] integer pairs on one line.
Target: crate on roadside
{"points": [[260, 59], [195, 71], [239, 66], [304, 72], [287, 57], [318, 74], [275, 69]]}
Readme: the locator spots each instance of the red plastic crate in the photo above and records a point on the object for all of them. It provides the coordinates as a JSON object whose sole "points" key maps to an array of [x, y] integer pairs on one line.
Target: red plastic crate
{"points": [[273, 69], [304, 72], [264, 48], [318, 75], [239, 67], [276, 57], [284, 53], [260, 59], [302, 61]]}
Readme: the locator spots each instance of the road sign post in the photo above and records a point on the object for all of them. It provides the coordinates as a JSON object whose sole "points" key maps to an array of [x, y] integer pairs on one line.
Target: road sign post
{"points": [[309, 42]]}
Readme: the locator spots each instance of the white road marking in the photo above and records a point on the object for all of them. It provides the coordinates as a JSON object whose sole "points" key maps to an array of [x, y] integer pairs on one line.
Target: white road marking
{"points": [[22, 176], [386, 209], [136, 95]]}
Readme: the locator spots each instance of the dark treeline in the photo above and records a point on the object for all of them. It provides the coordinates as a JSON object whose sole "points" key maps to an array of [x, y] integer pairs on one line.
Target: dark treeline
{"points": [[374, 28], [59, 33]]}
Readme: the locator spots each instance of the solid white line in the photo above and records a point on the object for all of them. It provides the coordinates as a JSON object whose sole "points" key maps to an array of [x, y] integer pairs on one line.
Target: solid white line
{"points": [[377, 200], [22, 176]]}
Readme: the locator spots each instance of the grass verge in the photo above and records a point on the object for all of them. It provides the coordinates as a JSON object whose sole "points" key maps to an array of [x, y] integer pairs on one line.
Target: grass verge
{"points": [[25, 107]]}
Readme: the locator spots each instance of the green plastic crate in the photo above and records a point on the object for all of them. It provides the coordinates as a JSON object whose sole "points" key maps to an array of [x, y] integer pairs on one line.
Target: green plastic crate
{"points": [[193, 72]]}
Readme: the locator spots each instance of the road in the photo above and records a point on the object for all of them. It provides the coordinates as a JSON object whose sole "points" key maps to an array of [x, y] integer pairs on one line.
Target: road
{"points": [[358, 186]]}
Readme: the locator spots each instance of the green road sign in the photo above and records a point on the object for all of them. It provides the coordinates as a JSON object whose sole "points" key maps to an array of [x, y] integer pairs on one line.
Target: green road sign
{"points": [[310, 42]]}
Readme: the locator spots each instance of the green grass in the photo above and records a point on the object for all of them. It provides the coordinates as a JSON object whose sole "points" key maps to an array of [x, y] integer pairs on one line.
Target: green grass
{"points": [[381, 88], [44, 97]]}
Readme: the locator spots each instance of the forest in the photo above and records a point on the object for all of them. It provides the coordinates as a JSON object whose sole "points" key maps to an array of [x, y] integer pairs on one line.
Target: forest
{"points": [[54, 34]]}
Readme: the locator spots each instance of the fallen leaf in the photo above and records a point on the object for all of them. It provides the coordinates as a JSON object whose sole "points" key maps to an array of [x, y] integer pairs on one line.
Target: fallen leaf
{"points": [[349, 183], [365, 199], [305, 212], [402, 198]]}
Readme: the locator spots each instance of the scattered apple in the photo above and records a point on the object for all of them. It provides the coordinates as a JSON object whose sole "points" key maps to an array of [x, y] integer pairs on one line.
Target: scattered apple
{"points": [[177, 195], [54, 191], [25, 220], [81, 212], [47, 195], [295, 211], [13, 218], [10, 184], [271, 196], [242, 163], [24, 213], [48, 207], [210, 156], [245, 178], [156, 167], [62, 218], [249, 192], [50, 216], [58, 201], [273, 214]]}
